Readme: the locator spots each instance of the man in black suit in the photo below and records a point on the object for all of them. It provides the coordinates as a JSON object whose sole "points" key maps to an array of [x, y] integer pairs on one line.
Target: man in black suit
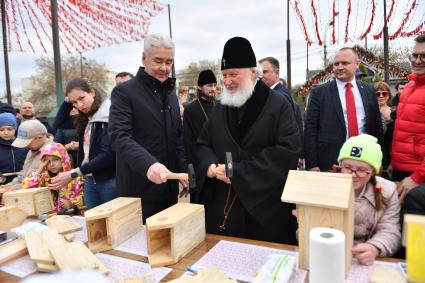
{"points": [[327, 124]]}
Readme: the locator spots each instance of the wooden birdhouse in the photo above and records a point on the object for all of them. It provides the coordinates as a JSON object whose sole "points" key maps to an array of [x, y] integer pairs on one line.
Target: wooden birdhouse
{"points": [[174, 232], [34, 201], [323, 200], [111, 223]]}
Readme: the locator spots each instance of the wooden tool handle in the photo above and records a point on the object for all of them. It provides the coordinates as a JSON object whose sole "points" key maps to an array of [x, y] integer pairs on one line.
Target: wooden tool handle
{"points": [[177, 176], [10, 174]]}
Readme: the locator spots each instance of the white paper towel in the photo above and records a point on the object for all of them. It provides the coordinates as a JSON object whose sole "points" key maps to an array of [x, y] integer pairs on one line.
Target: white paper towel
{"points": [[327, 255]]}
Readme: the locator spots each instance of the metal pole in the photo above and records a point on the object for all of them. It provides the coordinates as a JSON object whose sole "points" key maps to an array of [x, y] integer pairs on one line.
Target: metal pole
{"points": [[288, 53], [81, 65], [325, 54], [386, 47], [307, 58], [56, 52], [5, 53], [173, 71]]}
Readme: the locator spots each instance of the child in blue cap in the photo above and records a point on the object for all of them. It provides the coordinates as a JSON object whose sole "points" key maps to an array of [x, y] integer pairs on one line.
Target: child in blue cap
{"points": [[11, 158]]}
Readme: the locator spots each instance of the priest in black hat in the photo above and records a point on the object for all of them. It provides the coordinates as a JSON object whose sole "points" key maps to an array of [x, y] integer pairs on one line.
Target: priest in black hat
{"points": [[257, 126], [196, 114]]}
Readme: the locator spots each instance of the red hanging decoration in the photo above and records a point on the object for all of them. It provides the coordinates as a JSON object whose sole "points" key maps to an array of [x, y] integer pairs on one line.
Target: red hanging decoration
{"points": [[347, 22], [418, 30], [370, 23], [304, 28], [390, 13], [316, 25], [82, 24], [403, 23], [334, 13]]}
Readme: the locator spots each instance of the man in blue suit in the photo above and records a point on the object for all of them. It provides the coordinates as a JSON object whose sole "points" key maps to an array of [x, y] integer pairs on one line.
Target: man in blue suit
{"points": [[270, 67], [327, 118]]}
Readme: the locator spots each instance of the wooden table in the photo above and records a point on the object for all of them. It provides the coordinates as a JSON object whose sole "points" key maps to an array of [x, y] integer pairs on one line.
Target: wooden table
{"points": [[192, 257]]}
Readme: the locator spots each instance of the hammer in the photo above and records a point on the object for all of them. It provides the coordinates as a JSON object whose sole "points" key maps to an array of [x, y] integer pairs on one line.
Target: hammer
{"points": [[190, 176], [229, 164]]}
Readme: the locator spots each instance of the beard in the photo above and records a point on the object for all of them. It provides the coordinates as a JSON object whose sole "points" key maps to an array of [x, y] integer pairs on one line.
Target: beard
{"points": [[240, 97], [28, 117]]}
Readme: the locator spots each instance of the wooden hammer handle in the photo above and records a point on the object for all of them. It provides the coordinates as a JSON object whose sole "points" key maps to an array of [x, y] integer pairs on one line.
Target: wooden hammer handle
{"points": [[177, 176], [10, 174]]}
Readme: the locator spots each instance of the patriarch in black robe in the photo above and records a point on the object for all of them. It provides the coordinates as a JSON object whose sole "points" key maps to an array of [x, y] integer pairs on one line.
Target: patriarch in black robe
{"points": [[257, 126]]}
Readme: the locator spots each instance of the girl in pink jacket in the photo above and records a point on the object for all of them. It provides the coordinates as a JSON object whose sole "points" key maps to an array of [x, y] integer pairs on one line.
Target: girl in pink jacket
{"points": [[55, 159], [377, 207]]}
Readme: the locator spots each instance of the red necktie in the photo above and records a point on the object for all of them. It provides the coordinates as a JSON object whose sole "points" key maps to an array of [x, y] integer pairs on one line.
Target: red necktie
{"points": [[353, 129]]}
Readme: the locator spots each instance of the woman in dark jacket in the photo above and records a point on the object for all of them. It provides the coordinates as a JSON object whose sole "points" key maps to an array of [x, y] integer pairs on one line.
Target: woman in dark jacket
{"points": [[96, 159], [11, 158]]}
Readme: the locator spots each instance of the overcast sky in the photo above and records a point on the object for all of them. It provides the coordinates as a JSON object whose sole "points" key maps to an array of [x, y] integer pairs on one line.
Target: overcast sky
{"points": [[201, 28]]}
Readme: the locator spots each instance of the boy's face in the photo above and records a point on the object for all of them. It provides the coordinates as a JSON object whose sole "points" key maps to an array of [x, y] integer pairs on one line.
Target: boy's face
{"points": [[7, 132], [54, 165]]}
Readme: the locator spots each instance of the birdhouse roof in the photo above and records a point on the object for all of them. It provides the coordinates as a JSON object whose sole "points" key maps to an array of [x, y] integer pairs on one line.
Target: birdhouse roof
{"points": [[321, 189]]}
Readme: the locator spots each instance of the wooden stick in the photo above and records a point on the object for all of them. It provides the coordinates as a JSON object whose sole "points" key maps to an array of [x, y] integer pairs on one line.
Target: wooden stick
{"points": [[177, 176], [10, 174]]}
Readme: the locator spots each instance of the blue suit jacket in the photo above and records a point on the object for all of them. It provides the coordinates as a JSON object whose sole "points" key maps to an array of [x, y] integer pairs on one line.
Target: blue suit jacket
{"points": [[325, 130], [283, 90]]}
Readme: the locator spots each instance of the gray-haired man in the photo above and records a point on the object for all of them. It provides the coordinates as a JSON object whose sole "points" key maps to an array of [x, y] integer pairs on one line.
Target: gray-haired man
{"points": [[146, 131]]}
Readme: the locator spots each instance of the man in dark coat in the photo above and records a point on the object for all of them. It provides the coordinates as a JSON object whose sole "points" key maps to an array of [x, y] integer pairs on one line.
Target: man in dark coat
{"points": [[197, 113], [257, 126], [326, 123], [146, 131]]}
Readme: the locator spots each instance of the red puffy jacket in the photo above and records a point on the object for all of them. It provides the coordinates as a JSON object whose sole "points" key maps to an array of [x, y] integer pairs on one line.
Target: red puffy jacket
{"points": [[408, 148]]}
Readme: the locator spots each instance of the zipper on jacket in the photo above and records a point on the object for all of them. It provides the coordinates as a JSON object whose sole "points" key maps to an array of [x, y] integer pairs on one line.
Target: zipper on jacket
{"points": [[13, 158]]}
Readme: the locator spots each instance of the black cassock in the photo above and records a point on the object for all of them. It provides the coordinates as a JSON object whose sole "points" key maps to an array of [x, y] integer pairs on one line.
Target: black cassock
{"points": [[264, 140], [194, 117]]}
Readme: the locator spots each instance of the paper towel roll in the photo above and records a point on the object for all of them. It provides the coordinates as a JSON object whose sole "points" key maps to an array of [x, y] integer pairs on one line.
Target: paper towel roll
{"points": [[327, 255]]}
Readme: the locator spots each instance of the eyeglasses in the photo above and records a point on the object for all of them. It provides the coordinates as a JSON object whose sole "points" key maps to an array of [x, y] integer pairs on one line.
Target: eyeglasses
{"points": [[382, 93], [360, 172], [415, 56]]}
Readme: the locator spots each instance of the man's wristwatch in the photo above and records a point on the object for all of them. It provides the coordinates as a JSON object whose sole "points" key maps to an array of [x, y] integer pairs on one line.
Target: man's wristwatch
{"points": [[74, 174]]}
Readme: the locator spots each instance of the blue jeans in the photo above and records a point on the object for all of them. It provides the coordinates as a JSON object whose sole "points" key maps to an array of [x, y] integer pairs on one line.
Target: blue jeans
{"points": [[98, 192]]}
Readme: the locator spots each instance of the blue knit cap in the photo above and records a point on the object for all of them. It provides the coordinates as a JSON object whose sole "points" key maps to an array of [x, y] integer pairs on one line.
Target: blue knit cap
{"points": [[8, 119]]}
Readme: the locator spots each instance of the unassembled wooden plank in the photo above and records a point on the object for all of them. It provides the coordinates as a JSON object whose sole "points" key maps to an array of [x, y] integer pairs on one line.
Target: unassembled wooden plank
{"points": [[38, 245], [63, 224], [46, 267], [12, 250], [11, 217], [75, 256]]}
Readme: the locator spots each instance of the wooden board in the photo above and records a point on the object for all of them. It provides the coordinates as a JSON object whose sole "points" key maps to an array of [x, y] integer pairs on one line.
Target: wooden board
{"points": [[63, 224], [38, 245], [75, 256], [12, 250], [11, 217], [34, 201], [207, 275], [45, 267], [318, 189]]}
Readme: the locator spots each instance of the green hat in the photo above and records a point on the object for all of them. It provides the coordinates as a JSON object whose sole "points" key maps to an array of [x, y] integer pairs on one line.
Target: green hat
{"points": [[364, 148]]}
